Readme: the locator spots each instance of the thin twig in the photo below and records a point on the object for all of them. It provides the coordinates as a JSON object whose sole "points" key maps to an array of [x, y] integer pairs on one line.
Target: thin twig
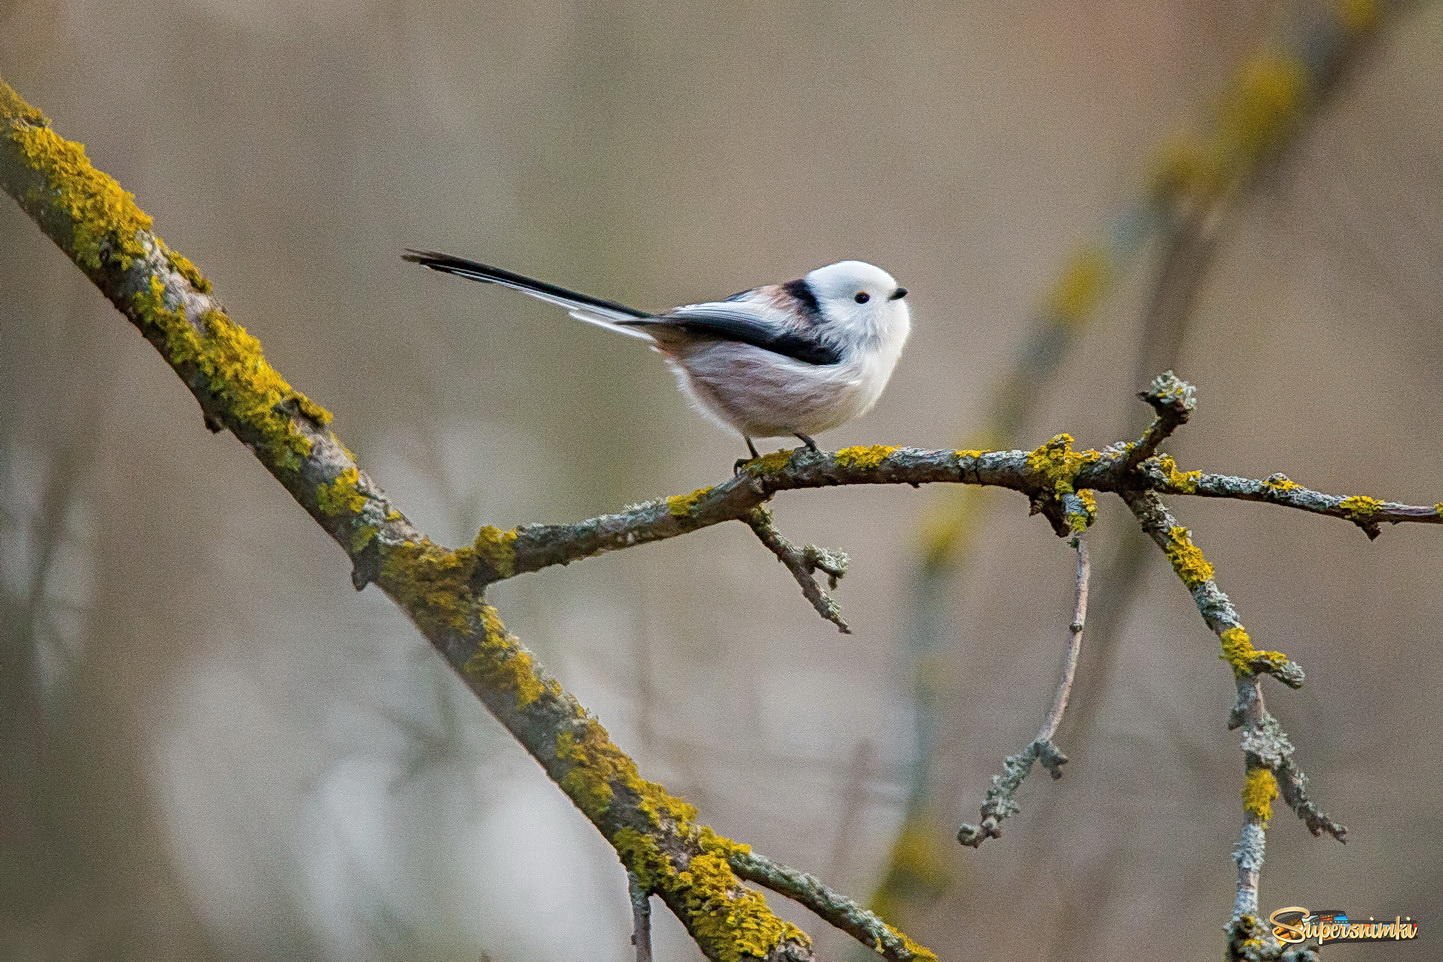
{"points": [[804, 563], [833, 907], [1266, 747], [1001, 800], [1172, 400], [640, 916]]}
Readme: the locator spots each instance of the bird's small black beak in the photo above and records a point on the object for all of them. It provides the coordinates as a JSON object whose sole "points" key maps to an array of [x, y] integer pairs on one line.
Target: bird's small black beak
{"points": [[898, 294]]}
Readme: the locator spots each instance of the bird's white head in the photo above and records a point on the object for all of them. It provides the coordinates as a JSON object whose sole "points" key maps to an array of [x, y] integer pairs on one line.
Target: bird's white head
{"points": [[862, 306]]}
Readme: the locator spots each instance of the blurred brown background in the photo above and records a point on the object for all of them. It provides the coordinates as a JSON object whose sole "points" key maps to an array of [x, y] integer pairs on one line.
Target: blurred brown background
{"points": [[214, 749]]}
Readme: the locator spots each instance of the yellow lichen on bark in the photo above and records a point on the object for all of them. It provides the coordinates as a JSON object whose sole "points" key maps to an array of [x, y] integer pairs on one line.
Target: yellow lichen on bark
{"points": [[1259, 791]]}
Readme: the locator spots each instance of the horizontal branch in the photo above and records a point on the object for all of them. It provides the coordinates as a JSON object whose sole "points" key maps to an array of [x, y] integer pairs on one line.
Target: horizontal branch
{"points": [[1040, 474]]}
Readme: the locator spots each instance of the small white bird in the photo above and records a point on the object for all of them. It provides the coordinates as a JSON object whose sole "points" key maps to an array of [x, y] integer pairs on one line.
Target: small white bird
{"points": [[784, 359]]}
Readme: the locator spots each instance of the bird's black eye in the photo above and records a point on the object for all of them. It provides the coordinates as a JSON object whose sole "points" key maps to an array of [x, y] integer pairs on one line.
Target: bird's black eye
{"points": [[862, 297]]}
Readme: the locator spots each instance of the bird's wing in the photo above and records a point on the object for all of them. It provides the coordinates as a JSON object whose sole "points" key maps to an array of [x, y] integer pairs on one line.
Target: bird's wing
{"points": [[753, 321]]}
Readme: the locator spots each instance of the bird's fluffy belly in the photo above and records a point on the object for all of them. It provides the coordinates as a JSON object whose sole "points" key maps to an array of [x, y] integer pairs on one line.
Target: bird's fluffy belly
{"points": [[747, 389]]}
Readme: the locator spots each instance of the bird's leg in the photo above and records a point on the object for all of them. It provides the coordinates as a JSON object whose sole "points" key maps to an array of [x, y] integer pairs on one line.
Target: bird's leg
{"points": [[737, 468], [811, 445]]}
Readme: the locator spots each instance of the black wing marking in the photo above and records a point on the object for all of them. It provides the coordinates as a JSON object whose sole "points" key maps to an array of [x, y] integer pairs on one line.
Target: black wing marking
{"points": [[713, 320], [486, 274]]}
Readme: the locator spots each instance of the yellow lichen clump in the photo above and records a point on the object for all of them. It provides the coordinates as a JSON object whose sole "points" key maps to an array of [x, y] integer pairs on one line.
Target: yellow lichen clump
{"points": [[1360, 508], [864, 456], [100, 226], [1184, 482], [432, 584], [1055, 464], [1187, 558], [342, 495], [1238, 651], [727, 915], [1080, 521], [1279, 483], [501, 662], [774, 461], [97, 218], [682, 505], [711, 901], [1259, 791], [497, 548]]}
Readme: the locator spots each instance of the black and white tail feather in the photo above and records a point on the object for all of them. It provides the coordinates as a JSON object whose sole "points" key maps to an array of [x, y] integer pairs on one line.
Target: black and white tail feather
{"points": [[583, 307]]}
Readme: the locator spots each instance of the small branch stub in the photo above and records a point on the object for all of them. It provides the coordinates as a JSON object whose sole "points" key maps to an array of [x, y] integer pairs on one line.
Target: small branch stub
{"points": [[804, 563]]}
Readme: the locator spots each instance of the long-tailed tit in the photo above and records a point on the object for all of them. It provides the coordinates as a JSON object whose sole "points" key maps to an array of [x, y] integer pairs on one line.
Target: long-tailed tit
{"points": [[784, 359]]}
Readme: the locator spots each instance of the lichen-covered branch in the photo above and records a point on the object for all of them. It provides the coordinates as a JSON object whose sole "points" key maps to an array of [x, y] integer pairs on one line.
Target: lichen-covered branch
{"points": [[806, 889], [1055, 473], [99, 226], [804, 563], [1267, 750], [1196, 572], [1001, 798]]}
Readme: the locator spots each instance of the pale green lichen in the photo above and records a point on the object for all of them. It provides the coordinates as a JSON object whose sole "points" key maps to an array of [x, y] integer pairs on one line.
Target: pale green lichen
{"points": [[1187, 558], [864, 456], [1260, 789], [684, 505]]}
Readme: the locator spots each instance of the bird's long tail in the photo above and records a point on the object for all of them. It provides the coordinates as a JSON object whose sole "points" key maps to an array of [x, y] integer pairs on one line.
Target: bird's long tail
{"points": [[583, 307]]}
